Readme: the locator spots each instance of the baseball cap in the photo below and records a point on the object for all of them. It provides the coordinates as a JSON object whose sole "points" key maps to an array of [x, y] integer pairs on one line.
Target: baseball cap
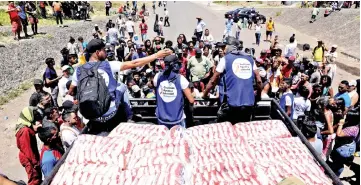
{"points": [[198, 51], [94, 45], [69, 106], [38, 82], [352, 83], [171, 58], [263, 51], [292, 58], [66, 67], [230, 40], [148, 71], [334, 46], [95, 25], [135, 88], [139, 46], [194, 37]]}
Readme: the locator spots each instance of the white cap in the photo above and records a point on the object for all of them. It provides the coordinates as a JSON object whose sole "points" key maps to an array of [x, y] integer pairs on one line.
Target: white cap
{"points": [[95, 25], [148, 71], [65, 67], [352, 83], [334, 46], [135, 88]]}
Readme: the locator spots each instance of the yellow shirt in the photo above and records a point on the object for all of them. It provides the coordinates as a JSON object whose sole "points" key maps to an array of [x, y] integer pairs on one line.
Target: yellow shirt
{"points": [[269, 26], [317, 56]]}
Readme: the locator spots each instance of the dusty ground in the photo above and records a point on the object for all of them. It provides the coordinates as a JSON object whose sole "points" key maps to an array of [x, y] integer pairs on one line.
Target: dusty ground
{"points": [[182, 20]]}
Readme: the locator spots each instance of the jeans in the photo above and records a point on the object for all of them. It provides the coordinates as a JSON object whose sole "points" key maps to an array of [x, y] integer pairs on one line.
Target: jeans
{"points": [[258, 38], [54, 95], [341, 156], [181, 123], [121, 32], [160, 33], [131, 34], [199, 35], [238, 34], [59, 17], [144, 37]]}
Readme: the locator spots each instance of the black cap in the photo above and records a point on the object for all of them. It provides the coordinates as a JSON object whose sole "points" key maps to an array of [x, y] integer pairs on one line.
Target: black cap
{"points": [[232, 41], [94, 45], [69, 106], [220, 44], [171, 59], [38, 82]]}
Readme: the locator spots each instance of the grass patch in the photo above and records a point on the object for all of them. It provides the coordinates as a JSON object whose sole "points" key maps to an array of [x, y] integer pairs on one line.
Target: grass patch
{"points": [[50, 20], [12, 94], [278, 13], [4, 18]]}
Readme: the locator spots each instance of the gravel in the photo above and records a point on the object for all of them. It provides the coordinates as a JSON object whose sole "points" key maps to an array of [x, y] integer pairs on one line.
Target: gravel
{"points": [[25, 59]]}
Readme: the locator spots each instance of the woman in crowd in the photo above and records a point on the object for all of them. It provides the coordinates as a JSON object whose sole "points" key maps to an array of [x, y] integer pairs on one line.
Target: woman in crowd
{"points": [[326, 86]]}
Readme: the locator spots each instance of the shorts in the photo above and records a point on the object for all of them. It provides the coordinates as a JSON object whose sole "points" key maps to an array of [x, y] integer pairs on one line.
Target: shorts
{"points": [[269, 33]]}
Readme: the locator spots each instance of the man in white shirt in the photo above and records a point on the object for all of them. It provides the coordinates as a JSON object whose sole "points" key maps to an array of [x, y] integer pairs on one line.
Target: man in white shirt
{"points": [[290, 49], [64, 79], [68, 130], [129, 25], [354, 96], [166, 18], [113, 34], [199, 29]]}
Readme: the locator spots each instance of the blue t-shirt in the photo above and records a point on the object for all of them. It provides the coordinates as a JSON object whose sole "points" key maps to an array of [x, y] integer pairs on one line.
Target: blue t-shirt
{"points": [[22, 13], [345, 97], [48, 161], [51, 75], [229, 24], [137, 55], [84, 44]]}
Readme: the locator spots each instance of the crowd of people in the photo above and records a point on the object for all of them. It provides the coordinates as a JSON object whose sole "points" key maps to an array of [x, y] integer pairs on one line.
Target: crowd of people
{"points": [[178, 72]]}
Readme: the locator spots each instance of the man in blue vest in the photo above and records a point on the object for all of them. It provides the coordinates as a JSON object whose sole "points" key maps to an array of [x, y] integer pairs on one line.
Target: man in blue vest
{"points": [[239, 71], [119, 110], [170, 88], [287, 98]]}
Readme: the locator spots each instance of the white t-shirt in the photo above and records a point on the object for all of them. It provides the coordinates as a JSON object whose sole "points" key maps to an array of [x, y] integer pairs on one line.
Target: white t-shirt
{"points": [[73, 48], [129, 26], [258, 29], [301, 106], [62, 86], [183, 82], [222, 65], [200, 26], [68, 135], [160, 24], [166, 13], [208, 38], [290, 50], [115, 67]]}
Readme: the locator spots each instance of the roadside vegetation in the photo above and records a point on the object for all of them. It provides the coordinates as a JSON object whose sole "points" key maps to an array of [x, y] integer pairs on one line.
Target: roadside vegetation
{"points": [[12, 94]]}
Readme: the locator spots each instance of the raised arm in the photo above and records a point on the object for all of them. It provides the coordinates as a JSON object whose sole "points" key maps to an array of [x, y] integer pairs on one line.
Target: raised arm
{"points": [[143, 61]]}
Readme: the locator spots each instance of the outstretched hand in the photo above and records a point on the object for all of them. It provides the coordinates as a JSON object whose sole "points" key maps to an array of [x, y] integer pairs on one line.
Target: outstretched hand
{"points": [[163, 53]]}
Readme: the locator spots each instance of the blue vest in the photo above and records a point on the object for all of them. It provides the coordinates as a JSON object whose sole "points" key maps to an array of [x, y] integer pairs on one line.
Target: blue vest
{"points": [[283, 103], [239, 78], [115, 93], [169, 95]]}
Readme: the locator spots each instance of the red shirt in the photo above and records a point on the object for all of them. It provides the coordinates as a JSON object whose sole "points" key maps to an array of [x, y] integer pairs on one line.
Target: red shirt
{"points": [[286, 71], [26, 142], [13, 14], [183, 69], [143, 28], [192, 52], [120, 10]]}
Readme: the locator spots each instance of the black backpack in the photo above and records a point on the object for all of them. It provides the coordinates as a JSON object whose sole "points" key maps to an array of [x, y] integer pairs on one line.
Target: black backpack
{"points": [[93, 94]]}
